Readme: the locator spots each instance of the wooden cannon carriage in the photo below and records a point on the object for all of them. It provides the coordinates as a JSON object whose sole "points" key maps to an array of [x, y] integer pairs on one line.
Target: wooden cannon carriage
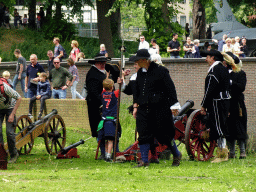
{"points": [[51, 127]]}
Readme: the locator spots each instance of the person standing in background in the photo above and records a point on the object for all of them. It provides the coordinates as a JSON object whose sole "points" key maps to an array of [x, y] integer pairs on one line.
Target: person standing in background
{"points": [[143, 43], [20, 71], [75, 50]]}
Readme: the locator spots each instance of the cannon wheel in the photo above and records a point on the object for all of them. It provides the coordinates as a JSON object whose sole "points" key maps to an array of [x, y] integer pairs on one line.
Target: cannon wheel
{"points": [[22, 122], [55, 134], [197, 141]]}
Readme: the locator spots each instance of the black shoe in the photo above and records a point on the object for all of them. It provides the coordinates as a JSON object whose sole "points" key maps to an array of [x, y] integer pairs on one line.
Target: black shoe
{"points": [[232, 156], [176, 160], [101, 157], [242, 155], [14, 158], [108, 160], [39, 116], [141, 164], [154, 161]]}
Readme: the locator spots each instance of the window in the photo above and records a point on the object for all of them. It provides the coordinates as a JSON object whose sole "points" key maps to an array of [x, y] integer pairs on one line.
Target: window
{"points": [[174, 19], [190, 22], [183, 21]]}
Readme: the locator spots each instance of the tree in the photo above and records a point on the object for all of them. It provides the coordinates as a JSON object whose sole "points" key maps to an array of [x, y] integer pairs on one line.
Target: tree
{"points": [[104, 26], [242, 10], [198, 20]]}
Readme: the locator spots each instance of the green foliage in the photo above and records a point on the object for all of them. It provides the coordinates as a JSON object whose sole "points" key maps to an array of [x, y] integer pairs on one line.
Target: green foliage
{"points": [[158, 27], [34, 42], [59, 28], [132, 15], [210, 13]]}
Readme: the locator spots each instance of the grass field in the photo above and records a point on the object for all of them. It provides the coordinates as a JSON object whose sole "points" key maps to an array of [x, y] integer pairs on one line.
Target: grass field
{"points": [[39, 171]]}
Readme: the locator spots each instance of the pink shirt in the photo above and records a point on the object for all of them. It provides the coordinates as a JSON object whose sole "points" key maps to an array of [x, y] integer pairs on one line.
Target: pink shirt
{"points": [[73, 53]]}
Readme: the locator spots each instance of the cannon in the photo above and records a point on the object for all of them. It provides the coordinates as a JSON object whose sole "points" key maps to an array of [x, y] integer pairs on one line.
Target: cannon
{"points": [[190, 129], [51, 127], [71, 151]]}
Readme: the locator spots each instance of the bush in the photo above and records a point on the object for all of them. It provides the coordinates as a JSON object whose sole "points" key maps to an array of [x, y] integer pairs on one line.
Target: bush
{"points": [[59, 28], [34, 42]]}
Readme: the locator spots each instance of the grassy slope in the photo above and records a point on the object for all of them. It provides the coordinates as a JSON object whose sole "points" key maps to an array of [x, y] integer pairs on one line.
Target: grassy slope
{"points": [[39, 171], [33, 42]]}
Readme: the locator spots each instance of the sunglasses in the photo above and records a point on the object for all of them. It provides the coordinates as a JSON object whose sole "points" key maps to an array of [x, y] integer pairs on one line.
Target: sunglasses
{"points": [[56, 62]]}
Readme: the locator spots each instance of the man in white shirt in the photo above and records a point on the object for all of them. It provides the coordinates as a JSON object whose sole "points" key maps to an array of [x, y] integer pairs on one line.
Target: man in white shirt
{"points": [[143, 44]]}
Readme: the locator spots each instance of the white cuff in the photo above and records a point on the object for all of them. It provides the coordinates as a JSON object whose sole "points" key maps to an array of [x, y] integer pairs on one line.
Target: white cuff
{"points": [[230, 82], [123, 86], [176, 106]]}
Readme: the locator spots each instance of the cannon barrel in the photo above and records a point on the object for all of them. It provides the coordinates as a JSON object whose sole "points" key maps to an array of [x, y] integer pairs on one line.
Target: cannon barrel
{"points": [[184, 109], [66, 149], [45, 118]]}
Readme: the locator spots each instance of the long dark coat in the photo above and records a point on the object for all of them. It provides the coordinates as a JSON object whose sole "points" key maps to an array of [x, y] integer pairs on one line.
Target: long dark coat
{"points": [[216, 100], [237, 120], [154, 93], [94, 80]]}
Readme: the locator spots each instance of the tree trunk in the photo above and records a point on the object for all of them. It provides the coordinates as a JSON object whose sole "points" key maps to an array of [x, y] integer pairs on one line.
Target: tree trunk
{"points": [[49, 10], [58, 13], [104, 26], [115, 20], [198, 20], [166, 17], [32, 14]]}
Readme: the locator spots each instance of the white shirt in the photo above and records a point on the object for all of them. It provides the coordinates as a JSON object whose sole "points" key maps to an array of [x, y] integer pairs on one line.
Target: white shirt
{"points": [[144, 45]]}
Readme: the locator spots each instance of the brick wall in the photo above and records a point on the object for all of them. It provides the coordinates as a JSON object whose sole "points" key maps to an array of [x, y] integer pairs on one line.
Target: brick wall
{"points": [[187, 74], [73, 111]]}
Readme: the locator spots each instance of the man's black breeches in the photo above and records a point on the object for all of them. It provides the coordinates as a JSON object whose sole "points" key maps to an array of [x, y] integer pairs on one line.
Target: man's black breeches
{"points": [[155, 121]]}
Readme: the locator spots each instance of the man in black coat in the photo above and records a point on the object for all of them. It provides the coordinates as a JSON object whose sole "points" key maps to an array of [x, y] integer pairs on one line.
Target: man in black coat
{"points": [[94, 86], [237, 119], [94, 79], [216, 98], [154, 94]]}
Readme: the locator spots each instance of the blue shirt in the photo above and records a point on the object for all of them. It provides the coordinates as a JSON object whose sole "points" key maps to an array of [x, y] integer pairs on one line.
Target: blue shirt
{"points": [[57, 50], [109, 102], [33, 72], [44, 88], [220, 45]]}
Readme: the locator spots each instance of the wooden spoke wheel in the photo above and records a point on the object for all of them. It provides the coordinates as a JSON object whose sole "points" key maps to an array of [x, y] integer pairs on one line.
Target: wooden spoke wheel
{"points": [[55, 134], [197, 141], [22, 122]]}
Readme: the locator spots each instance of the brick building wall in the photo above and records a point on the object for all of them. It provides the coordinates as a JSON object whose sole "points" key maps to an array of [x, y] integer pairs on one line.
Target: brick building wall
{"points": [[188, 76]]}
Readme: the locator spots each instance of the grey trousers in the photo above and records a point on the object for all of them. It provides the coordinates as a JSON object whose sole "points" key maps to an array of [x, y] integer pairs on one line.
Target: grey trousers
{"points": [[9, 131]]}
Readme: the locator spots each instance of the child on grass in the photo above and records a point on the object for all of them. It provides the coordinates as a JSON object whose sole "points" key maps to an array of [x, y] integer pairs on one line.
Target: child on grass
{"points": [[107, 126], [43, 92]]}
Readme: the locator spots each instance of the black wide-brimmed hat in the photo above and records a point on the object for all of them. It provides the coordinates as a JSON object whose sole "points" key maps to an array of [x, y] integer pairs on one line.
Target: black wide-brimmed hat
{"points": [[237, 63], [212, 52], [99, 58], [236, 59], [132, 58], [141, 54]]}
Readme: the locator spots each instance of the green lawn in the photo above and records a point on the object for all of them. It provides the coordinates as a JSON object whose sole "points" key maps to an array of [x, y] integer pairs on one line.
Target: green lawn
{"points": [[39, 171]]}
